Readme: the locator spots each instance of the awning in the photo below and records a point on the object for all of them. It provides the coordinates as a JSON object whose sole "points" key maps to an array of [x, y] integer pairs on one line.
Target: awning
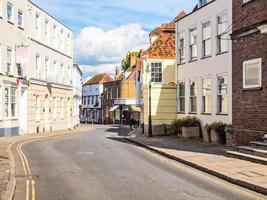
{"points": [[114, 108]]}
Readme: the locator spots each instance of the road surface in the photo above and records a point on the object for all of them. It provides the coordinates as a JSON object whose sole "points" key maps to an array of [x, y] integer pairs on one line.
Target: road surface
{"points": [[100, 165]]}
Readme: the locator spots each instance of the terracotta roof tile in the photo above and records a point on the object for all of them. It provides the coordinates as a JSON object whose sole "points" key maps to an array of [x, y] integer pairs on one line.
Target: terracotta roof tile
{"points": [[99, 78]]}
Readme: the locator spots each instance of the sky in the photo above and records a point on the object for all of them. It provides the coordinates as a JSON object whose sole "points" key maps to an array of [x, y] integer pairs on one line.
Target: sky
{"points": [[105, 30]]}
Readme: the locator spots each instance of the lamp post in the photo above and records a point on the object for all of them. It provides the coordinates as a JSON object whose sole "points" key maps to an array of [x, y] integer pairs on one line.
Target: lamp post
{"points": [[149, 103]]}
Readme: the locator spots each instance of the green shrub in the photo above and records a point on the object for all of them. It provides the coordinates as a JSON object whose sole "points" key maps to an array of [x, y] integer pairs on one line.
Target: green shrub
{"points": [[216, 126], [189, 121], [229, 129], [176, 126], [208, 128]]}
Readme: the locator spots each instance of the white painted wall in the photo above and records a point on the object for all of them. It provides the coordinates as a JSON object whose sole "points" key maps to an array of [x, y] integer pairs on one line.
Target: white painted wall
{"points": [[212, 66]]}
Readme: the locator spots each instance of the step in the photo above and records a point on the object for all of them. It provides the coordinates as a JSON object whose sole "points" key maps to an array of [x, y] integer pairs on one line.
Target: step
{"points": [[253, 151], [264, 139], [260, 145], [243, 156]]}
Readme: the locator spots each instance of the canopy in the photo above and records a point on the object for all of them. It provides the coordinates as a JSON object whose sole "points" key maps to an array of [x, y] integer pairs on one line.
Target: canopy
{"points": [[114, 108]]}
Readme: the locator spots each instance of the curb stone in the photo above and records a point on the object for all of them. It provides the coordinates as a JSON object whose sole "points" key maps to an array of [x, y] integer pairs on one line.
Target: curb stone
{"points": [[238, 182], [9, 194]]}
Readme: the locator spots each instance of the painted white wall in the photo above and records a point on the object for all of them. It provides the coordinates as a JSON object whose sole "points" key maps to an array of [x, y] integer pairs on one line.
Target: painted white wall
{"points": [[77, 94], [92, 90], [212, 66]]}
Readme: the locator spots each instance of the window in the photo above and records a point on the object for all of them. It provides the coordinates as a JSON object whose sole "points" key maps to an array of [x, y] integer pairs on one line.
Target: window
{"points": [[47, 31], [1, 8], [55, 36], [206, 40], [9, 61], [202, 2], [61, 40], [37, 66], [10, 102], [222, 37], [156, 72], [181, 49], [9, 12], [222, 94], [20, 19], [181, 100], [37, 26], [62, 108], [62, 75], [20, 70], [38, 109], [89, 100], [193, 44], [92, 102], [193, 97], [68, 43], [55, 108], [55, 70], [46, 66], [206, 95], [252, 73]]}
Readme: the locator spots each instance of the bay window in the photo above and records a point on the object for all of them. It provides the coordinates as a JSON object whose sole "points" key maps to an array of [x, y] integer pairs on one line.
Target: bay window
{"points": [[252, 73], [10, 102], [181, 98], [193, 44], [222, 37], [206, 95], [193, 97], [206, 40], [222, 94], [156, 72]]}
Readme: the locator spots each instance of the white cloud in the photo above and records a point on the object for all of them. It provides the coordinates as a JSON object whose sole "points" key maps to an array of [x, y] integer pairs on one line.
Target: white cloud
{"points": [[89, 71], [95, 44]]}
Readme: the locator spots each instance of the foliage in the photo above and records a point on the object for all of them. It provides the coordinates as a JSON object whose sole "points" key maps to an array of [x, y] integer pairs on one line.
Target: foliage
{"points": [[125, 63], [176, 126], [216, 126], [229, 129]]}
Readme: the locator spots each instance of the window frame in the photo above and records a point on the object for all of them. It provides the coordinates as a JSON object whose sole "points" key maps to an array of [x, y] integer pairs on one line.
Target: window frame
{"points": [[10, 102], [20, 14], [1, 8], [38, 109], [11, 19], [181, 97], [253, 61], [191, 96], [10, 65], [181, 48], [38, 66], [160, 78], [192, 44], [220, 35], [204, 108], [204, 40], [219, 94]]}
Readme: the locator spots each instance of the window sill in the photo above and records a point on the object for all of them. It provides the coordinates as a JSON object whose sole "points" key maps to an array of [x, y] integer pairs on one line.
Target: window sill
{"points": [[205, 57], [194, 60], [192, 113], [252, 89], [10, 22], [11, 118], [182, 63], [205, 113], [180, 112], [20, 27], [222, 114], [244, 4], [221, 53]]}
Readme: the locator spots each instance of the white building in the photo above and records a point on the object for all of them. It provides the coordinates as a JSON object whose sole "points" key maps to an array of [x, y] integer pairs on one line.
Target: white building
{"points": [[51, 63], [13, 67], [77, 94], [92, 91], [204, 62]]}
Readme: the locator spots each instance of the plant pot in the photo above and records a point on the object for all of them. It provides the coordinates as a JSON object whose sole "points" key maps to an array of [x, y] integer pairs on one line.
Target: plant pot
{"points": [[206, 136], [230, 140], [190, 132], [217, 137]]}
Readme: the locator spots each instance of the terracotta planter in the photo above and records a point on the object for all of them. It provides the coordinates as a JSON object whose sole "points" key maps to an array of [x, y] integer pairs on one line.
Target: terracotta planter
{"points": [[206, 136], [230, 140], [216, 137], [190, 132]]}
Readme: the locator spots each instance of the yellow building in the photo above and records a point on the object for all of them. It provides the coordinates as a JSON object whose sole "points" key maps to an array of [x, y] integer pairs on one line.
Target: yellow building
{"points": [[159, 70]]}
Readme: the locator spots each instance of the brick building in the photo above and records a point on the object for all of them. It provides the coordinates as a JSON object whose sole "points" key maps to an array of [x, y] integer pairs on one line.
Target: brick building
{"points": [[249, 70]]}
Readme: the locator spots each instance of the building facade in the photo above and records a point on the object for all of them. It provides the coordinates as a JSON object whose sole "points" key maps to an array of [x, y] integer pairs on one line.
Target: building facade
{"points": [[204, 62], [249, 70], [13, 67], [92, 102], [50, 96], [77, 95], [159, 72]]}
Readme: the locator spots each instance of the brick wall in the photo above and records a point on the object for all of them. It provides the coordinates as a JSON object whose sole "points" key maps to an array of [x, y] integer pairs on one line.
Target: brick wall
{"points": [[248, 14]]}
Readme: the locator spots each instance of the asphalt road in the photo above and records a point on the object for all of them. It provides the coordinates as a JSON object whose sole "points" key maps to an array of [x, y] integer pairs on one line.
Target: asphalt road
{"points": [[101, 166]]}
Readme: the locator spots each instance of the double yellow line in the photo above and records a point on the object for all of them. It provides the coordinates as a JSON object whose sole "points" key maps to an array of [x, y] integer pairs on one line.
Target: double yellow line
{"points": [[27, 172]]}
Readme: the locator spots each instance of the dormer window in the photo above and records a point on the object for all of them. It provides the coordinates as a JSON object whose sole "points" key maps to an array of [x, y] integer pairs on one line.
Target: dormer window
{"points": [[202, 2]]}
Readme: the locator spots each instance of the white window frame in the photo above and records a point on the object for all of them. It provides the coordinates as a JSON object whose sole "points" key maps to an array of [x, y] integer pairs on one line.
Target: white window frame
{"points": [[193, 44], [181, 97], [38, 26], [47, 63], [54, 36], [10, 65], [55, 108], [11, 19], [10, 102], [205, 96], [38, 109], [248, 62], [62, 108], [222, 36], [181, 48], [154, 75], [192, 96], [205, 40], [20, 15], [220, 94], [47, 31], [38, 66], [1, 8]]}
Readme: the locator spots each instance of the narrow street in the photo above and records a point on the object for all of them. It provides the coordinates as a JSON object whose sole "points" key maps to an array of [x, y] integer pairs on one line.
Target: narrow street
{"points": [[99, 165]]}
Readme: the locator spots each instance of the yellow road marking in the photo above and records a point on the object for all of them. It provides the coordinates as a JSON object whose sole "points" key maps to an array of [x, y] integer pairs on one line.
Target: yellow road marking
{"points": [[25, 159], [199, 174], [33, 190], [27, 189], [22, 160]]}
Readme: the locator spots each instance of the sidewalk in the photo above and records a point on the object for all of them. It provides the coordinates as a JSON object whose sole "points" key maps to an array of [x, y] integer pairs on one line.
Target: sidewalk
{"points": [[208, 158], [5, 172]]}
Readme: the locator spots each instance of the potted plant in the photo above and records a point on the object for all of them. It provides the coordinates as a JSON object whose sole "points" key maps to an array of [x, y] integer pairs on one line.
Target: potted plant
{"points": [[217, 133], [206, 133], [229, 130], [190, 127], [174, 128]]}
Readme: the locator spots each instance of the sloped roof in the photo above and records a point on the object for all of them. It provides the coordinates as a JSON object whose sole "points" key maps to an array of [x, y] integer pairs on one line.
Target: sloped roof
{"points": [[164, 46], [99, 78]]}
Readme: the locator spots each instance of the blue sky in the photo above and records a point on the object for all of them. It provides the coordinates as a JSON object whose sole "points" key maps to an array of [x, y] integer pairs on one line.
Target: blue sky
{"points": [[105, 30]]}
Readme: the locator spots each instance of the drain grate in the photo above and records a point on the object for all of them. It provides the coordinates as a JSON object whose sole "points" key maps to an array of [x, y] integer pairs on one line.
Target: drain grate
{"points": [[251, 174]]}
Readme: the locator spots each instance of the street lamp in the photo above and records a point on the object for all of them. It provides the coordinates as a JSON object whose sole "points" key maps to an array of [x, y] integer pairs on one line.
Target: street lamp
{"points": [[149, 106]]}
